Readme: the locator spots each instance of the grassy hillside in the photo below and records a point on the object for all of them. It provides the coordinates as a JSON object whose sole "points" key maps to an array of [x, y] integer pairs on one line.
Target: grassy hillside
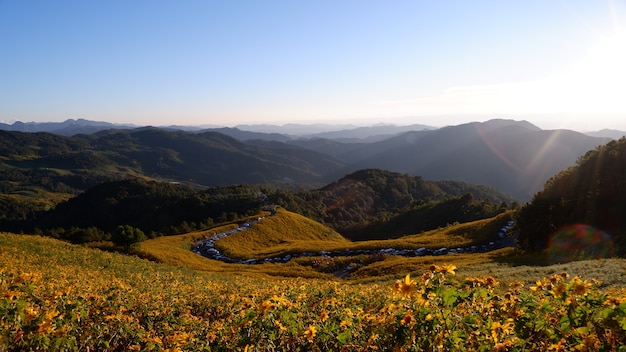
{"points": [[275, 236], [57, 296], [285, 232]]}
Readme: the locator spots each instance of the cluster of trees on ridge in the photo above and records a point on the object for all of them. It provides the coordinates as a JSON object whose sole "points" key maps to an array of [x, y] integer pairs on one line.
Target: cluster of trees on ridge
{"points": [[592, 192]]}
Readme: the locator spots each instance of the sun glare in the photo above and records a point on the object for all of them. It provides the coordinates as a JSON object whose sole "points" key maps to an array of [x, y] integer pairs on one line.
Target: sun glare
{"points": [[601, 76]]}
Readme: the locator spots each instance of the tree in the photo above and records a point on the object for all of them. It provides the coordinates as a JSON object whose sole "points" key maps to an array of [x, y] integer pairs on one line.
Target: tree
{"points": [[128, 236]]}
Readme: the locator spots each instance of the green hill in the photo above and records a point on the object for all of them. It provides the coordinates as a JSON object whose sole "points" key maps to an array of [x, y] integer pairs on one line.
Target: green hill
{"points": [[42, 163], [282, 233], [381, 204]]}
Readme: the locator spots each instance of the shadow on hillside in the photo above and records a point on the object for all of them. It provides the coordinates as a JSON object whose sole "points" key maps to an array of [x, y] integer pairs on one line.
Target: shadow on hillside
{"points": [[521, 258]]}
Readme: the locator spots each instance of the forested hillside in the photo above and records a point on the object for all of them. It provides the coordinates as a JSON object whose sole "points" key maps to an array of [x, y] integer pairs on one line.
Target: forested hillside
{"points": [[366, 204], [593, 192], [38, 170]]}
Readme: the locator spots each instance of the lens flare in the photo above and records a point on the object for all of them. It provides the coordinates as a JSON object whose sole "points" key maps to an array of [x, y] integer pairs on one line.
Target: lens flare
{"points": [[579, 242]]}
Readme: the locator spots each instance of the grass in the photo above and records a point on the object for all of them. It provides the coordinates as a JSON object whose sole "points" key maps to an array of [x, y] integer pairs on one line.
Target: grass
{"points": [[280, 234], [37, 198], [176, 251], [287, 233]]}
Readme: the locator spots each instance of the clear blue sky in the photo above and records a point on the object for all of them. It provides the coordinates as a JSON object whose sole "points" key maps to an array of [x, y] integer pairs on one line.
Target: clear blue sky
{"points": [[556, 63]]}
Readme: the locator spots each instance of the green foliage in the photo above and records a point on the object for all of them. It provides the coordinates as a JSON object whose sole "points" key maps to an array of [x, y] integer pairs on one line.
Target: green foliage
{"points": [[592, 192], [128, 236]]}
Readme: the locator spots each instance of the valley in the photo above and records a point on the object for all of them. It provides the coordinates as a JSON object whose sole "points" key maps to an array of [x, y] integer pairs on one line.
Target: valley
{"points": [[206, 247], [121, 248]]}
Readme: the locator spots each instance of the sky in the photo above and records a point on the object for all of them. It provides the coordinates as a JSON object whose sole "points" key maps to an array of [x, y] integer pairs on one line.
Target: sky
{"points": [[555, 63]]}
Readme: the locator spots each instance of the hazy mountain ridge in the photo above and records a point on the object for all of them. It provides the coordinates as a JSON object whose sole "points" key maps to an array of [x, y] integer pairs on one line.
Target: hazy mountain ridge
{"points": [[513, 156], [607, 133], [342, 132], [68, 127]]}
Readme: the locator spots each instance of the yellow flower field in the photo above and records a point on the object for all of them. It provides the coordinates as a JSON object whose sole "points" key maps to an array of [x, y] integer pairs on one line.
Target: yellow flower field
{"points": [[61, 297]]}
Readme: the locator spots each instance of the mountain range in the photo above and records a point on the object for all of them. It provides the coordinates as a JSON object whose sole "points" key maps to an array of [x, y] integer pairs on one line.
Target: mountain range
{"points": [[515, 157]]}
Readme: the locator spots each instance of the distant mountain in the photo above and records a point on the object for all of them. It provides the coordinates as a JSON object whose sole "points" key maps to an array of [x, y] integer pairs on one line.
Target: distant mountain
{"points": [[367, 134], [606, 133], [68, 127], [346, 133], [516, 157], [294, 128], [249, 135], [214, 159]]}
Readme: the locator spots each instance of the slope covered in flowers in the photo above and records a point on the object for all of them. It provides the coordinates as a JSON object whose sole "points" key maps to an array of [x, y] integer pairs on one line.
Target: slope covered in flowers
{"points": [[55, 296]]}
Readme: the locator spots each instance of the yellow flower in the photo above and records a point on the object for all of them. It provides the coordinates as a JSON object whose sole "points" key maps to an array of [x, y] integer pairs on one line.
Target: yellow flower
{"points": [[372, 339], [345, 323], [11, 294], [266, 305], [500, 330], [310, 332], [280, 326], [406, 286], [324, 315], [558, 347], [446, 268], [407, 319], [559, 290], [179, 338], [580, 287], [44, 327], [491, 281], [155, 340], [31, 313]]}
